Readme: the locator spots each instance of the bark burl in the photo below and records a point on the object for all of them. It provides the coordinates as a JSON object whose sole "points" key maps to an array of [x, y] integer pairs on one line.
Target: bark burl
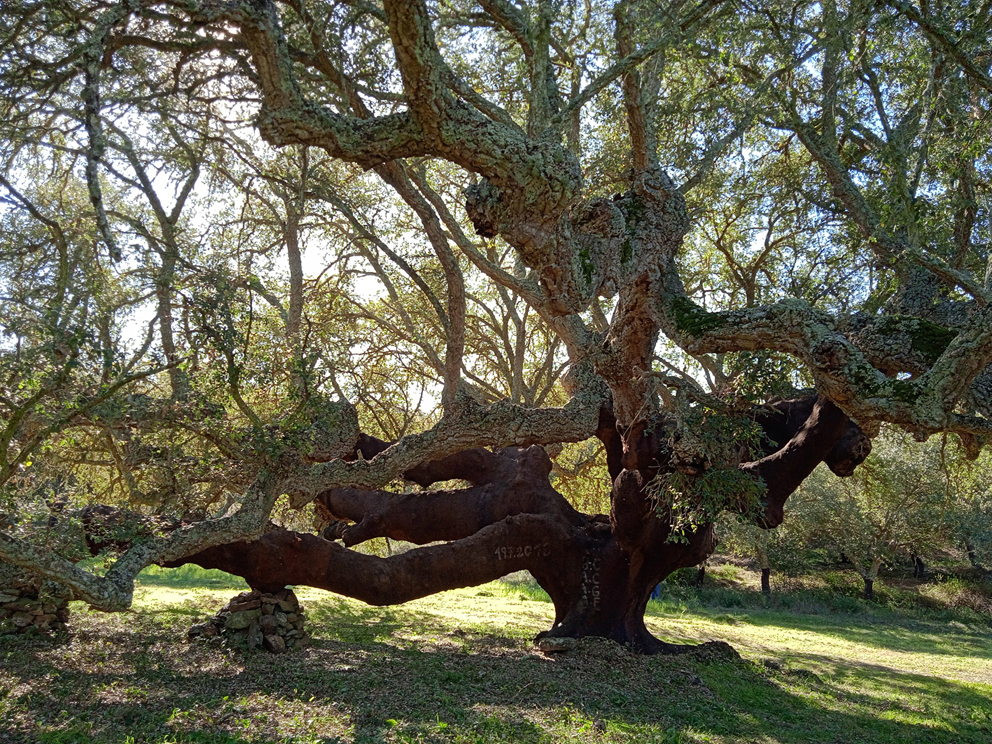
{"points": [[599, 569]]}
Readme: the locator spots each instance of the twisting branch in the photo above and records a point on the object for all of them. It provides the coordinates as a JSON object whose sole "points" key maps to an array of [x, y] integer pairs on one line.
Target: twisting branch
{"points": [[841, 370], [943, 40], [785, 469], [286, 116], [91, 61], [642, 137], [674, 34], [395, 174], [500, 424]]}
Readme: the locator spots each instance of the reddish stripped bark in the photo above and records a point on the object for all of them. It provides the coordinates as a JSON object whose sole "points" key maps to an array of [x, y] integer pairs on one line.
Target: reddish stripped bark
{"points": [[783, 470], [599, 570], [518, 484], [783, 419], [283, 557]]}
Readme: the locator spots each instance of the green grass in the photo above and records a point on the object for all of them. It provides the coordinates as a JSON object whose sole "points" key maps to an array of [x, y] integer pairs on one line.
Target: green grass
{"points": [[190, 577], [459, 667], [940, 598]]}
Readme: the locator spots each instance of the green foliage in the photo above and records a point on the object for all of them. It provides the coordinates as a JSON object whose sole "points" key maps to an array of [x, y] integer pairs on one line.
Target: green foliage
{"points": [[757, 377], [907, 498], [691, 501], [256, 289], [705, 447], [581, 476]]}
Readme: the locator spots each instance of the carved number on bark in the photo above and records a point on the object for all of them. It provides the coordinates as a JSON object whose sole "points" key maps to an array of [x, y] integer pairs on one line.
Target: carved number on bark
{"points": [[590, 581], [526, 551]]}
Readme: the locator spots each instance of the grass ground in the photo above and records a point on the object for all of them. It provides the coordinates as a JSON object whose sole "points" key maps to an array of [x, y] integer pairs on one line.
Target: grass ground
{"points": [[817, 665]]}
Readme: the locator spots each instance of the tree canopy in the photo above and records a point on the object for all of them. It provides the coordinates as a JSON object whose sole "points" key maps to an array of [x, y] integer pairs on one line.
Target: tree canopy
{"points": [[260, 255]]}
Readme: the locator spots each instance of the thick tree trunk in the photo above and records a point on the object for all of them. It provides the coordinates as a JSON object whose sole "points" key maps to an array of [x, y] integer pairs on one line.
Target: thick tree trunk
{"points": [[613, 591], [700, 575], [869, 578], [766, 585], [599, 570], [919, 569]]}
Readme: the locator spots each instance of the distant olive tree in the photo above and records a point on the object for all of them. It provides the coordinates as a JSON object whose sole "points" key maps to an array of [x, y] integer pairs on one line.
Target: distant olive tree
{"points": [[900, 504]]}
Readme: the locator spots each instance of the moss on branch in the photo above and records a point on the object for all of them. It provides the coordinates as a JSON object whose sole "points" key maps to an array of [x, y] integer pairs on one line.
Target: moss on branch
{"points": [[926, 338], [691, 319]]}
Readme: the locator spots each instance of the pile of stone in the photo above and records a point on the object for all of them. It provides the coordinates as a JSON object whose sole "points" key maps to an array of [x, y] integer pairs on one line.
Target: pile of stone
{"points": [[256, 620], [30, 604], [29, 613]]}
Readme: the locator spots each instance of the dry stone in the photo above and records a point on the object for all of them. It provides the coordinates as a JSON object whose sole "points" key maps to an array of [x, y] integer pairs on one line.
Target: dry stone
{"points": [[257, 620], [29, 604], [241, 619], [275, 644], [245, 606], [254, 636], [268, 624]]}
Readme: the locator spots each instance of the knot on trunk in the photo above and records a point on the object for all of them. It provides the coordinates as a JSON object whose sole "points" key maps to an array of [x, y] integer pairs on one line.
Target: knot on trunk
{"points": [[830, 354], [484, 206]]}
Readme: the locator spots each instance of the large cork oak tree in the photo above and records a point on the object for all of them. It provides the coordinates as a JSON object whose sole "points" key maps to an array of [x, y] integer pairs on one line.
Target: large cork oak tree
{"points": [[602, 266]]}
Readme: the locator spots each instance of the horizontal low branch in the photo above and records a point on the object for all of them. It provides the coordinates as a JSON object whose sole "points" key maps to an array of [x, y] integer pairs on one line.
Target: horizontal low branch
{"points": [[517, 484], [469, 426], [114, 591], [282, 557]]}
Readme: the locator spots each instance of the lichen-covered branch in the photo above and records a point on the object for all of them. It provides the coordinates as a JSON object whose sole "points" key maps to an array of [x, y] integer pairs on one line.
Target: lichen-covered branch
{"points": [[287, 117], [501, 424], [841, 369]]}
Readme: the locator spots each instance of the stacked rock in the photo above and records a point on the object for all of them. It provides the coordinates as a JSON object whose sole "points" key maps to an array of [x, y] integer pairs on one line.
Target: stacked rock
{"points": [[257, 620], [28, 613], [30, 604]]}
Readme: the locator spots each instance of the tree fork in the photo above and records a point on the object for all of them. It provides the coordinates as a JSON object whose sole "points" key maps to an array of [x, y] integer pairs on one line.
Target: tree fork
{"points": [[599, 570]]}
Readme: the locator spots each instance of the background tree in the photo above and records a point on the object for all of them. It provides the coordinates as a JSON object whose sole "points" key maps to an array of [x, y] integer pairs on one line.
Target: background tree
{"points": [[971, 514], [744, 538], [899, 505]]}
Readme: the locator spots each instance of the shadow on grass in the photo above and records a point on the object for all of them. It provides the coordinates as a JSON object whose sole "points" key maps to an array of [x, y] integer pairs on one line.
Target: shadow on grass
{"points": [[834, 594], [367, 683], [397, 674], [913, 637]]}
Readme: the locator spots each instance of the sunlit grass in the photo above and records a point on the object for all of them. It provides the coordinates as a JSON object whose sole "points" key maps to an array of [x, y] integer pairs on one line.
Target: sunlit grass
{"points": [[460, 667]]}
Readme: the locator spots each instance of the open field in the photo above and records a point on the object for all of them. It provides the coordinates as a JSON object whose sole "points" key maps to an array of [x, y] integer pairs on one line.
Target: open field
{"points": [[459, 667]]}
